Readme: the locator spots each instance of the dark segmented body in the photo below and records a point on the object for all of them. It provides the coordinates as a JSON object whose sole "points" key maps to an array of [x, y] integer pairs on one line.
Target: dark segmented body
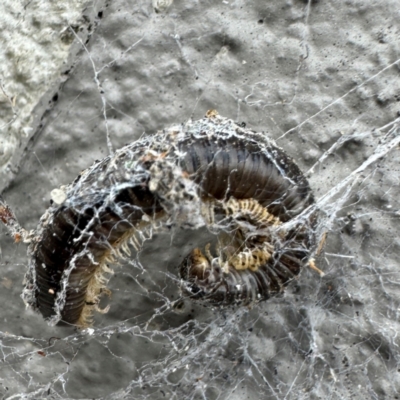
{"points": [[245, 169], [245, 287], [228, 167], [109, 200]]}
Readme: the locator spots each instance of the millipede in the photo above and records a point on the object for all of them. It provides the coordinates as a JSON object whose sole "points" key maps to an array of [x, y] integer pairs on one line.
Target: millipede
{"points": [[211, 172]]}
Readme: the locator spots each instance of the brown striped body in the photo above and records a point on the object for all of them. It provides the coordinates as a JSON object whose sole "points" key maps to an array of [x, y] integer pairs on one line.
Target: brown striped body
{"points": [[110, 200]]}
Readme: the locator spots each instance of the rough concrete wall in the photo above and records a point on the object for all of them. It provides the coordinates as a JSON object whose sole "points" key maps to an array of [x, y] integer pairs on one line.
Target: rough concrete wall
{"points": [[37, 51], [322, 79]]}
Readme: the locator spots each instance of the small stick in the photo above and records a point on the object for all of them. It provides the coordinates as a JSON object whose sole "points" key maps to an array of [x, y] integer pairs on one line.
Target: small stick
{"points": [[311, 264], [321, 244], [9, 219]]}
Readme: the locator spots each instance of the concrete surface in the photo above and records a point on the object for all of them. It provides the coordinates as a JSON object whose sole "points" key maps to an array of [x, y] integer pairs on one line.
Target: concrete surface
{"points": [[322, 79]]}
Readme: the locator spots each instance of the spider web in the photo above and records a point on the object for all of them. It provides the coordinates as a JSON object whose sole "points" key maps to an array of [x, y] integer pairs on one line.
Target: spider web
{"points": [[320, 78]]}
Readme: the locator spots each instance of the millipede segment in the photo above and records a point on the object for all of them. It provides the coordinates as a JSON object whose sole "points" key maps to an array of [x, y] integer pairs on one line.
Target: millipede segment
{"points": [[211, 172]]}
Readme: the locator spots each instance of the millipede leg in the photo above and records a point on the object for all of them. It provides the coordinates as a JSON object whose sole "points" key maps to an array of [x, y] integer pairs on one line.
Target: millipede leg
{"points": [[251, 258], [311, 264], [252, 211]]}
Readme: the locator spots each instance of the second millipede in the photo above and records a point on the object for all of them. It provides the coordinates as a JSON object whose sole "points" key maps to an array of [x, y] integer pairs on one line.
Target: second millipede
{"points": [[189, 175]]}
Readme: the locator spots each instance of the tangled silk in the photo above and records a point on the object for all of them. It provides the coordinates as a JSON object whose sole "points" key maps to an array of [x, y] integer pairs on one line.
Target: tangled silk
{"points": [[192, 175]]}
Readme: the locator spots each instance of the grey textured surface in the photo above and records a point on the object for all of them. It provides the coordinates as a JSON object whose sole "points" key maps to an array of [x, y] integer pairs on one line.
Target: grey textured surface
{"points": [[321, 78], [37, 50]]}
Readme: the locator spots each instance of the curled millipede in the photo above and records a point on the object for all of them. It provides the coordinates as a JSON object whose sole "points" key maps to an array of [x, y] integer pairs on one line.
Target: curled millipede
{"points": [[209, 172]]}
